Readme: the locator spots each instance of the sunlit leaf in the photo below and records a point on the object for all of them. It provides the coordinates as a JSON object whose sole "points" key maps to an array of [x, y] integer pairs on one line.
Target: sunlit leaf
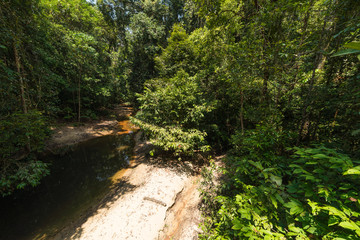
{"points": [[353, 171], [353, 45], [345, 52], [349, 225]]}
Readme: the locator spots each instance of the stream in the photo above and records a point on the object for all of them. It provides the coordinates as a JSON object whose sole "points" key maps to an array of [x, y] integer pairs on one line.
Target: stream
{"points": [[79, 179]]}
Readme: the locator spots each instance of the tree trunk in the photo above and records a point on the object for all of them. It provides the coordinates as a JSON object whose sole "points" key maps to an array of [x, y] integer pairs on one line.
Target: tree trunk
{"points": [[79, 101], [79, 95], [257, 6], [22, 88], [319, 63], [265, 83], [242, 113]]}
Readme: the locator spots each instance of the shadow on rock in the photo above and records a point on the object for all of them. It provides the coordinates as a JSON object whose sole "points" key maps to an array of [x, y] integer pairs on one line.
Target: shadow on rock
{"points": [[75, 231]]}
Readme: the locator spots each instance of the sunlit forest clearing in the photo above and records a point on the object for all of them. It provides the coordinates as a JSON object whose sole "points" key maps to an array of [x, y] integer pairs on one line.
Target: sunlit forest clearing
{"points": [[245, 113]]}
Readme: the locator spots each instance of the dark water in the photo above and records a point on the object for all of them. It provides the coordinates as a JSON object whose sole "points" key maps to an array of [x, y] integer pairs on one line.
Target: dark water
{"points": [[79, 179]]}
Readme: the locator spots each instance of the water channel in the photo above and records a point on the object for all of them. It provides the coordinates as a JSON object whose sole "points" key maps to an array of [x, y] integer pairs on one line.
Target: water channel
{"points": [[79, 179]]}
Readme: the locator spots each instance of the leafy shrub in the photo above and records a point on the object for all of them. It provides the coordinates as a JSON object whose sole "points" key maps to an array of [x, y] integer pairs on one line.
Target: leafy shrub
{"points": [[312, 194], [261, 144], [171, 112], [21, 137], [324, 193], [172, 138]]}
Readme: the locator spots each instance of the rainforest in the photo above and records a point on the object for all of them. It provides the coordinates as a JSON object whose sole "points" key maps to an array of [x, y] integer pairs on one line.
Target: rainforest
{"points": [[271, 86]]}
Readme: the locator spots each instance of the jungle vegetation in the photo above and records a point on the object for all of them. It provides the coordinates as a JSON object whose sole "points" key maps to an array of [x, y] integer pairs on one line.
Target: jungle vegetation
{"points": [[275, 84]]}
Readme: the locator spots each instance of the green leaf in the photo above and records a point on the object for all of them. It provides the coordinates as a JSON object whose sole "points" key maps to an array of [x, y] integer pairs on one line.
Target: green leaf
{"points": [[353, 45], [320, 156], [279, 198], [353, 171], [298, 170], [294, 229], [295, 207], [334, 211], [237, 224], [349, 225], [245, 213], [276, 179], [355, 132], [273, 200], [309, 177], [345, 52], [311, 163], [21, 185], [311, 230], [269, 169], [333, 220], [256, 164]]}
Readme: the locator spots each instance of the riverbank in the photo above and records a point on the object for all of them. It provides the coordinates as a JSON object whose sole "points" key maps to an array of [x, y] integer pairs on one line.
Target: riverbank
{"points": [[67, 134], [151, 199]]}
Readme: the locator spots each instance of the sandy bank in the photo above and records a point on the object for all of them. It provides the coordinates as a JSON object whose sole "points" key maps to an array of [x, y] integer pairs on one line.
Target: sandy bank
{"points": [[68, 134], [152, 199]]}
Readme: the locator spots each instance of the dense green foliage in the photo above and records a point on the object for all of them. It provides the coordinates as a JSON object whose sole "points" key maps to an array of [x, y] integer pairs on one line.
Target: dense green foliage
{"points": [[55, 59], [21, 137], [281, 79], [275, 83], [70, 59], [171, 116], [271, 195]]}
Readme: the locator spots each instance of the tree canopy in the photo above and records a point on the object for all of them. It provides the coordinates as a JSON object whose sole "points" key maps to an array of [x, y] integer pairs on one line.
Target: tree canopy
{"points": [[272, 83]]}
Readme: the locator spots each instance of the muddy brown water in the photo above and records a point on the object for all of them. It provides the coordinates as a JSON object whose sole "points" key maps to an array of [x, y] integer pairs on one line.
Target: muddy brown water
{"points": [[79, 179]]}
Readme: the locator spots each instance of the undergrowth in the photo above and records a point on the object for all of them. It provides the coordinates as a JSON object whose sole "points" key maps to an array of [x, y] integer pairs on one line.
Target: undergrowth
{"points": [[273, 191]]}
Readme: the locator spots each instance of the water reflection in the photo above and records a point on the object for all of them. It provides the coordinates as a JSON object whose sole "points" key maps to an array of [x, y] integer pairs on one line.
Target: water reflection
{"points": [[78, 179]]}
